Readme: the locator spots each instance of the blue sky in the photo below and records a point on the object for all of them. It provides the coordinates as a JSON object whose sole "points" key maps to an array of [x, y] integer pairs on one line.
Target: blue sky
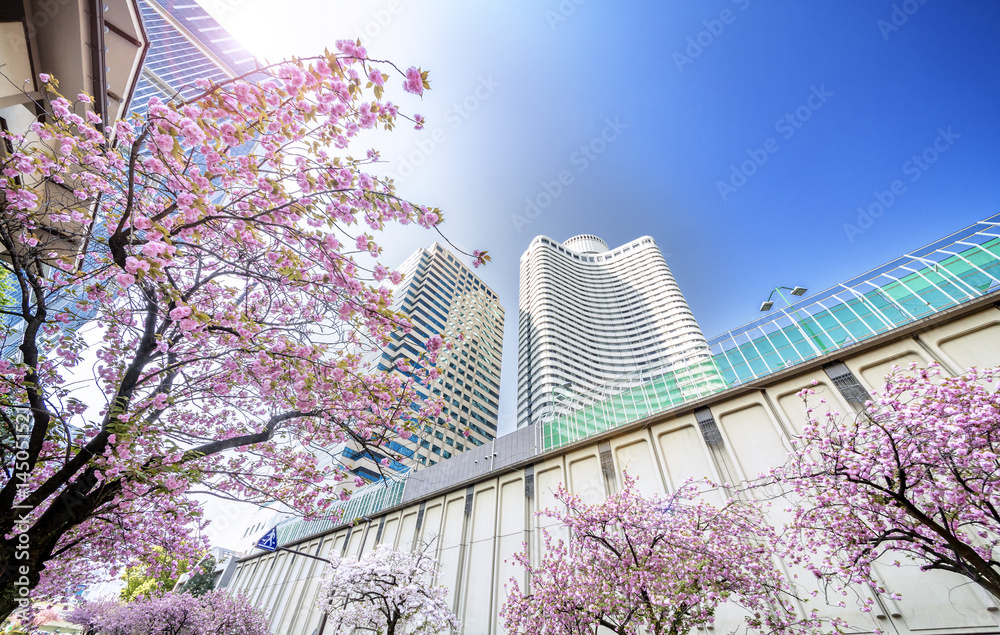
{"points": [[742, 135]]}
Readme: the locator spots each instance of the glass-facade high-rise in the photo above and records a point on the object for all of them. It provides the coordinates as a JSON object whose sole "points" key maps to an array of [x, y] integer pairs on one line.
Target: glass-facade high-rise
{"points": [[187, 44], [595, 321], [441, 295]]}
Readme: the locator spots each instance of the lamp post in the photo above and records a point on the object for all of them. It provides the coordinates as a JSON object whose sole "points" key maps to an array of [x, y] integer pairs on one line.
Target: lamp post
{"points": [[796, 291], [553, 403], [553, 395]]}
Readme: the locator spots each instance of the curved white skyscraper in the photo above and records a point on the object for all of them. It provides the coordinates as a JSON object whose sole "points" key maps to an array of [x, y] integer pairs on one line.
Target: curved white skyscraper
{"points": [[594, 321]]}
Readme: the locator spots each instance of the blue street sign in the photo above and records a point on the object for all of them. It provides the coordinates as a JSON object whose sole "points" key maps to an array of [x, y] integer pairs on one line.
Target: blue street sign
{"points": [[270, 540]]}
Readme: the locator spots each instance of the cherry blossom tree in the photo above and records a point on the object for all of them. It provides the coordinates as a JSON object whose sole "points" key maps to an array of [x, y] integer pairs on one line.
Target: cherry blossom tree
{"points": [[239, 297], [662, 564], [386, 592], [916, 476], [214, 613]]}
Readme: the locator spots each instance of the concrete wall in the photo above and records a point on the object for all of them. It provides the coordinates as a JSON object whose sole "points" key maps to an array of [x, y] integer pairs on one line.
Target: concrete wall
{"points": [[478, 526]]}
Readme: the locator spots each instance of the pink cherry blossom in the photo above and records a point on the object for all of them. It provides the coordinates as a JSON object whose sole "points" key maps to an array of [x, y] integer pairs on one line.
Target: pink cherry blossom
{"points": [[915, 475], [434, 343], [663, 563], [125, 279], [414, 81], [216, 612], [180, 313], [221, 286]]}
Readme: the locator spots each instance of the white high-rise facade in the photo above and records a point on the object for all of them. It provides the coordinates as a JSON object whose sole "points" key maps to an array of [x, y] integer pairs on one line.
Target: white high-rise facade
{"points": [[594, 321]]}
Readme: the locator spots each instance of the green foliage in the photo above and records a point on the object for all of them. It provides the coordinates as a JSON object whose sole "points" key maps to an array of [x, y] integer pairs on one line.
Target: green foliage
{"points": [[153, 579], [8, 287], [203, 580]]}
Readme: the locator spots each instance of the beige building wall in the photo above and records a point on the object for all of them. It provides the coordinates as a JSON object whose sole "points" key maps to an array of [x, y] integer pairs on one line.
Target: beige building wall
{"points": [[477, 526]]}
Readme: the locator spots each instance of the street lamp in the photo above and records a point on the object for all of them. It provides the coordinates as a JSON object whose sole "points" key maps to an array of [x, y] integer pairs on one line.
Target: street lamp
{"points": [[766, 306], [801, 324], [563, 388]]}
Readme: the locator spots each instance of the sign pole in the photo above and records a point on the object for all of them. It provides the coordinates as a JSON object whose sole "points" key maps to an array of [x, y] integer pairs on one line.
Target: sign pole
{"points": [[269, 542]]}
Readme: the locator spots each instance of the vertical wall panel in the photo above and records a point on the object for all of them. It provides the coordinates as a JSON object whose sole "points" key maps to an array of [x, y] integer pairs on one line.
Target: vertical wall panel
{"points": [[407, 528], [512, 509], [548, 478], [585, 477], [970, 341], [752, 438], [389, 531], [430, 530], [793, 409], [871, 367], [452, 528], [685, 456], [480, 564], [354, 543], [371, 532], [634, 456], [968, 350]]}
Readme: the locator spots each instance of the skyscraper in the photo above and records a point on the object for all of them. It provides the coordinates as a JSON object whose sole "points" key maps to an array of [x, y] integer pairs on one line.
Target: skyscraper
{"points": [[595, 321], [441, 295], [187, 45]]}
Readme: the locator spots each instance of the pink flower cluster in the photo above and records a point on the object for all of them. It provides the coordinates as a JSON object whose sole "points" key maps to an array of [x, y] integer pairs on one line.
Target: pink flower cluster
{"points": [[414, 81], [916, 474]]}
